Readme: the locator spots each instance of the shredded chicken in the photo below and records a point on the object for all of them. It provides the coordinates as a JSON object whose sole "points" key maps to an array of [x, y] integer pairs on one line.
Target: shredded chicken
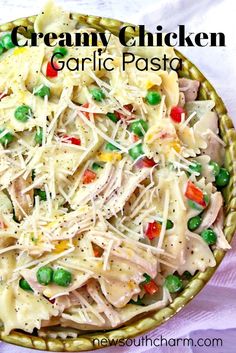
{"points": [[212, 211], [103, 304], [22, 202], [215, 150], [53, 321], [120, 196], [189, 88], [217, 226]]}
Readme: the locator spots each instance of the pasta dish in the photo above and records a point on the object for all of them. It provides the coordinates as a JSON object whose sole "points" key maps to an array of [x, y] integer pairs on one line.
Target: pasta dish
{"points": [[110, 185]]}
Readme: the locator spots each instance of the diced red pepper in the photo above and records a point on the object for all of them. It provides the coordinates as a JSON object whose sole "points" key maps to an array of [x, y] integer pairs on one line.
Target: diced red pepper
{"points": [[150, 287], [72, 140], [119, 115], [145, 163], [176, 113], [195, 194], [86, 105], [97, 250], [89, 176], [96, 253], [87, 114], [136, 138], [50, 71], [128, 107], [153, 230]]}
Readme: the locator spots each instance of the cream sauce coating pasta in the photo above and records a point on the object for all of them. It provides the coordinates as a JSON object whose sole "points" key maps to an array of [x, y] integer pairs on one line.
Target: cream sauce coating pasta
{"points": [[100, 179]]}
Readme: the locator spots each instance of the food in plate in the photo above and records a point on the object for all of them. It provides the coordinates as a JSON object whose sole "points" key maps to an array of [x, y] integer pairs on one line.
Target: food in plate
{"points": [[110, 184]]}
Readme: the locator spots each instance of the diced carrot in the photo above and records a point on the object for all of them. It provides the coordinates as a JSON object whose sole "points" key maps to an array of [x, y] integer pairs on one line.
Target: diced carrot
{"points": [[195, 194], [89, 176], [150, 287]]}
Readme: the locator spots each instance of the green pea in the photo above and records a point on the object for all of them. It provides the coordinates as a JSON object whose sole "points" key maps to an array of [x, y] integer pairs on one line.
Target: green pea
{"points": [[169, 224], [187, 275], [39, 136], [42, 91], [42, 194], [97, 94], [60, 52], [24, 284], [136, 151], [62, 277], [112, 117], [196, 206], [7, 42], [7, 138], [23, 113], [222, 178], [209, 236], [153, 97], [173, 283], [44, 275], [194, 222], [196, 167], [1, 47], [33, 174], [110, 147], [215, 168], [96, 166], [147, 278], [139, 127]]}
